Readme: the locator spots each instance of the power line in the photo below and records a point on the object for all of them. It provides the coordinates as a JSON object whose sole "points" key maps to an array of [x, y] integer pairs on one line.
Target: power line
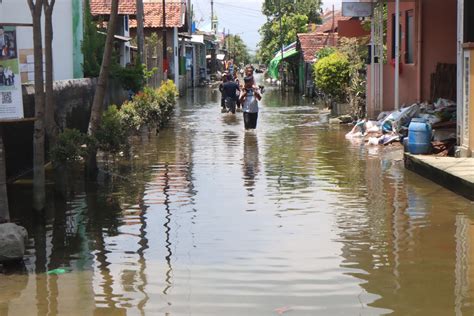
{"points": [[248, 12]]}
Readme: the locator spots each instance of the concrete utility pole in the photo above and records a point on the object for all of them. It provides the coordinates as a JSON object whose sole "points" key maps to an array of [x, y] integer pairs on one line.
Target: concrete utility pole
{"points": [[212, 17], [281, 45], [397, 54], [165, 44]]}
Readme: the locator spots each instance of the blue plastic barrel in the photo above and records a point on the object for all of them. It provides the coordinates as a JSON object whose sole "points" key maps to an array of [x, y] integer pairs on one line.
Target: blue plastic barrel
{"points": [[419, 137]]}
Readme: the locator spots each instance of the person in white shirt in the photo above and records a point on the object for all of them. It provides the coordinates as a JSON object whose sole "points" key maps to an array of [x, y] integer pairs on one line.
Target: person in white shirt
{"points": [[249, 99]]}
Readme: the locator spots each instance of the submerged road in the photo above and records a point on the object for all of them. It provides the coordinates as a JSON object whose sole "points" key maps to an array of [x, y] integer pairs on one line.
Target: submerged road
{"points": [[208, 219]]}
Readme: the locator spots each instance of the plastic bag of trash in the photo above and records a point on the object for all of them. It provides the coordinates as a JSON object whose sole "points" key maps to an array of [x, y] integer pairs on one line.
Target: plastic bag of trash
{"points": [[372, 127], [443, 103], [383, 115], [396, 120], [373, 141], [430, 118]]}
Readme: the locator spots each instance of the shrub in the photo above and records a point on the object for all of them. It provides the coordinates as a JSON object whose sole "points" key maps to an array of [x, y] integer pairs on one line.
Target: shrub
{"points": [[111, 136], [133, 77], [71, 146], [147, 106], [167, 94], [332, 76], [129, 117], [325, 52]]}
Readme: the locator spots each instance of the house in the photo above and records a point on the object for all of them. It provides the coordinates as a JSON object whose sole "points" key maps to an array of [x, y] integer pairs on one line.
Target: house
{"points": [[68, 35], [335, 22], [174, 22], [435, 61], [309, 44], [334, 27], [100, 10]]}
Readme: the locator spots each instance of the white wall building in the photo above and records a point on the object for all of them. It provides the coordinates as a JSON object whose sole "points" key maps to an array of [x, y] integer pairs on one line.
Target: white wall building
{"points": [[67, 37]]}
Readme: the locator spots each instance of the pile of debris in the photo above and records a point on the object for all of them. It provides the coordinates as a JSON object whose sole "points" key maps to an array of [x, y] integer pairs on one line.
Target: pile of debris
{"points": [[392, 127]]}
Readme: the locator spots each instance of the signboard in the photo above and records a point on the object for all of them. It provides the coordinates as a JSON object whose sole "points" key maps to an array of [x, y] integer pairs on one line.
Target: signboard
{"points": [[357, 9], [11, 100]]}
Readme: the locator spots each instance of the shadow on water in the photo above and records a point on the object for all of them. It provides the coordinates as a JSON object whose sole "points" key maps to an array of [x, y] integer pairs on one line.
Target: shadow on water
{"points": [[207, 219]]}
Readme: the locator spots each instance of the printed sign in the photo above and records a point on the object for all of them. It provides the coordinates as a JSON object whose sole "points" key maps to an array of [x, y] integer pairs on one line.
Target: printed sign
{"points": [[11, 100], [357, 9]]}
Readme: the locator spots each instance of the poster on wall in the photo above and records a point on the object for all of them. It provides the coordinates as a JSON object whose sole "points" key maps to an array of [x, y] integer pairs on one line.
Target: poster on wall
{"points": [[11, 100]]}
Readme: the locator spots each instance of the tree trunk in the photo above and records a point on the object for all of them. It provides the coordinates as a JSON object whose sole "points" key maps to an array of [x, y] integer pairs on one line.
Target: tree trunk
{"points": [[98, 103], [4, 210], [140, 32], [39, 194], [50, 122]]}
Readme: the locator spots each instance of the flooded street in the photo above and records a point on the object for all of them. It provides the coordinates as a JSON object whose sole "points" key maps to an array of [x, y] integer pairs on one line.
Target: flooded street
{"points": [[207, 219]]}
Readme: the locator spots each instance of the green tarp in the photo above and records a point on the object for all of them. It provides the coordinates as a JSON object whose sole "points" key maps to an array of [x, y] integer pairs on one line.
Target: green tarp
{"points": [[275, 62]]}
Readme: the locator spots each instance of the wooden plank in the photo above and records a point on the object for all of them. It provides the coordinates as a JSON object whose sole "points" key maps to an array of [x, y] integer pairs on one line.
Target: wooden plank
{"points": [[23, 120], [17, 24]]}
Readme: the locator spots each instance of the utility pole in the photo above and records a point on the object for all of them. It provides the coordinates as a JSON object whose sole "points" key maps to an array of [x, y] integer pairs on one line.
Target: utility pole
{"points": [[212, 17], [281, 45], [333, 27], [397, 54], [165, 44]]}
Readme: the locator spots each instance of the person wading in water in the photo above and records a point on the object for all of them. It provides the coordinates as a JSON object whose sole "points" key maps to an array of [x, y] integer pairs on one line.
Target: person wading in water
{"points": [[249, 99], [229, 94]]}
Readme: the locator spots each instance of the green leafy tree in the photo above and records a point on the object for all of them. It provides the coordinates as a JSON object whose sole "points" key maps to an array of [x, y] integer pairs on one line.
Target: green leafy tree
{"points": [[332, 75], [309, 8], [291, 25], [356, 52], [238, 50], [92, 45]]}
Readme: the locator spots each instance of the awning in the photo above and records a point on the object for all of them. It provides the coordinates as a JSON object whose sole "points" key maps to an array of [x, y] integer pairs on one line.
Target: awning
{"points": [[118, 37], [218, 56], [288, 51]]}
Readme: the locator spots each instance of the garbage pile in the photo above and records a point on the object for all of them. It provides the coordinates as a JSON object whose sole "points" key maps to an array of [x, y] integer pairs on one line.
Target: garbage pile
{"points": [[391, 127]]}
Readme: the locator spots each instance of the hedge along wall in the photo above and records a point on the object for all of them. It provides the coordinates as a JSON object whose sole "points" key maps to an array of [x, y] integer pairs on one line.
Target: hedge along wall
{"points": [[73, 99]]}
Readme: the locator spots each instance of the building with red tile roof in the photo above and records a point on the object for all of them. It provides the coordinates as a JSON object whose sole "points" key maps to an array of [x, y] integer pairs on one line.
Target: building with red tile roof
{"points": [[153, 15], [311, 43], [102, 7]]}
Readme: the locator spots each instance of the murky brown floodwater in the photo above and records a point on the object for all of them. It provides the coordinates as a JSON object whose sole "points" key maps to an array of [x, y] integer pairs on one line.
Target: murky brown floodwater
{"points": [[207, 219]]}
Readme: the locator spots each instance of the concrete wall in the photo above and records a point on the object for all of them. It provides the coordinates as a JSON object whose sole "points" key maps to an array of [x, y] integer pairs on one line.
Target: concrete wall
{"points": [[16, 11], [73, 100]]}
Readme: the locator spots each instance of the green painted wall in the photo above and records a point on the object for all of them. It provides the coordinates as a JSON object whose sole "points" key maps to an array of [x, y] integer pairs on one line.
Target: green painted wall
{"points": [[77, 34]]}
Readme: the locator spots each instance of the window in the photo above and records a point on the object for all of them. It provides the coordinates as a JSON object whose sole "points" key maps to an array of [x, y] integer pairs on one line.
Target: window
{"points": [[409, 37], [125, 23], [468, 21]]}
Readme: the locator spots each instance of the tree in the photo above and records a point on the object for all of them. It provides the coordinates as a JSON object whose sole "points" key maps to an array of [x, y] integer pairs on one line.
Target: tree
{"points": [[50, 122], [92, 45], [270, 44], [357, 54], [309, 8], [140, 32], [39, 194], [238, 50], [294, 15], [97, 104]]}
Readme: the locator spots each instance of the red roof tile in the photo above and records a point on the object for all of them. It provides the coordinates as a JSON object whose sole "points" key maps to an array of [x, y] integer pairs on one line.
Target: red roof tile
{"points": [[154, 15], [311, 43], [102, 7]]}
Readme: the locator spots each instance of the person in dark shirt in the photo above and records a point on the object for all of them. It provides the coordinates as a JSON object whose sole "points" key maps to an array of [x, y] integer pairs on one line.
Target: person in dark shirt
{"points": [[229, 93], [225, 76]]}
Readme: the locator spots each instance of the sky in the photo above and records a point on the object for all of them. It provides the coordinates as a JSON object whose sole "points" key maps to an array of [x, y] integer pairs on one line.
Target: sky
{"points": [[242, 17]]}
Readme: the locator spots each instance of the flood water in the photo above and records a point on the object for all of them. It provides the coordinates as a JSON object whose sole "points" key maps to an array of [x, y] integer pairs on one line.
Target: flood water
{"points": [[207, 219]]}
